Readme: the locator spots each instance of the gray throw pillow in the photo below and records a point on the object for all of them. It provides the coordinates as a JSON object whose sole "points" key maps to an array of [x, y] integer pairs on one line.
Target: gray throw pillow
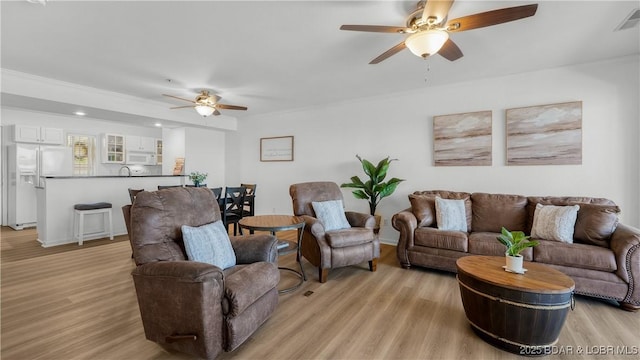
{"points": [[556, 223], [210, 244], [451, 214], [331, 214]]}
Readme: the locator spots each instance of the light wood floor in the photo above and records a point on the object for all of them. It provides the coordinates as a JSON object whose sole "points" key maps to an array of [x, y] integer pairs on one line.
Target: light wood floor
{"points": [[76, 302]]}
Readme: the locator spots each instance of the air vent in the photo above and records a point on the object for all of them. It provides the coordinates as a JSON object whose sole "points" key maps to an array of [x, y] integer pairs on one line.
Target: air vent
{"points": [[630, 21]]}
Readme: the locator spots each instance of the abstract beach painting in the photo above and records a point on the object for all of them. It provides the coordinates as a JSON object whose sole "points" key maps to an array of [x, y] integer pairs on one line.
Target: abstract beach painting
{"points": [[462, 139], [545, 135]]}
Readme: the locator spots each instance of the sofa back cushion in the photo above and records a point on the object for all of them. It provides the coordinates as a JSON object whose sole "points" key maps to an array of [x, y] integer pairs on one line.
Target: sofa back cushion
{"points": [[595, 224], [427, 205], [493, 211]]}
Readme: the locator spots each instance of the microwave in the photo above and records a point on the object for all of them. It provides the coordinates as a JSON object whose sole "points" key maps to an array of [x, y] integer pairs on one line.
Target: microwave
{"points": [[140, 158]]}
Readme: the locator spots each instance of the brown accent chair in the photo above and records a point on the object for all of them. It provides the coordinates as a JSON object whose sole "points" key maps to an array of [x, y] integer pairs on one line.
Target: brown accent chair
{"points": [[336, 248], [189, 306]]}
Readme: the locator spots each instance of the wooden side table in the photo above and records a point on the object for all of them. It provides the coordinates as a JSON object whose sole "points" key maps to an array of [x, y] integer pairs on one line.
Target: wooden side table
{"points": [[520, 313], [273, 224]]}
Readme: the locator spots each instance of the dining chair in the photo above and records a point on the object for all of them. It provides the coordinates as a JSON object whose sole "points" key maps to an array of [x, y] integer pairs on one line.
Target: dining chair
{"points": [[249, 199], [133, 193], [233, 203]]}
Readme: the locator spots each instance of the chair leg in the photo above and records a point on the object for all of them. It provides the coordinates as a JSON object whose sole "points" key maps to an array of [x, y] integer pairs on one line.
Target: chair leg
{"points": [[323, 274], [373, 264]]}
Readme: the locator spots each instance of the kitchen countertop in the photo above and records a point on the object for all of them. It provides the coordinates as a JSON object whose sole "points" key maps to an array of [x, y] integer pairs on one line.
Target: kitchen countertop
{"points": [[109, 176]]}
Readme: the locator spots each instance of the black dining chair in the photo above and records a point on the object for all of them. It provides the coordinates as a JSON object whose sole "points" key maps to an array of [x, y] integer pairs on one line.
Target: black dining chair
{"points": [[249, 200], [233, 202], [133, 193]]}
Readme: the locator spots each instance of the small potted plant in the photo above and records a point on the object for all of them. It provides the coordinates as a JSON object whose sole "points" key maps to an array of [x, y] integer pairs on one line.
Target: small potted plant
{"points": [[374, 189], [197, 178], [515, 242]]}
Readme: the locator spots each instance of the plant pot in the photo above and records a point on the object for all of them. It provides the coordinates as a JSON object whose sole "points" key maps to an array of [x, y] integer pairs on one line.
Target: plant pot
{"points": [[514, 263], [376, 228]]}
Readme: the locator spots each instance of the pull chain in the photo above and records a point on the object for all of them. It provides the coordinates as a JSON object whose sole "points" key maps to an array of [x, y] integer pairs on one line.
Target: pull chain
{"points": [[426, 75]]}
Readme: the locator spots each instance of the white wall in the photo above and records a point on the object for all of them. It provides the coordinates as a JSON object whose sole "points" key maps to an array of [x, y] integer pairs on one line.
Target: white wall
{"points": [[400, 125]]}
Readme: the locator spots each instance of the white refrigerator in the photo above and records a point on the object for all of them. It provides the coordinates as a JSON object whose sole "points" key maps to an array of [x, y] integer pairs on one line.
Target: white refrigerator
{"points": [[27, 164]]}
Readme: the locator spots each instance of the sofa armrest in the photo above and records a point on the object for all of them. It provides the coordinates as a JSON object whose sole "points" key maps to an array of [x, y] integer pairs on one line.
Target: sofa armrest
{"points": [[357, 219], [406, 223], [255, 248], [625, 243]]}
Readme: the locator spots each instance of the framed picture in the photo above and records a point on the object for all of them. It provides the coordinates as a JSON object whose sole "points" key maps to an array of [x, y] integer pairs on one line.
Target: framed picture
{"points": [[276, 148], [462, 139], [545, 134]]}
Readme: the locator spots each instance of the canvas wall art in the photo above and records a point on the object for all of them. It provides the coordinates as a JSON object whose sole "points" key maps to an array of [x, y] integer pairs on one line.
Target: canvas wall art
{"points": [[545, 135], [462, 139]]}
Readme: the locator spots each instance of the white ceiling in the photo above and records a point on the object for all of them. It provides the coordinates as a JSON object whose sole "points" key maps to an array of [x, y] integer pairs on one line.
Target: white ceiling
{"points": [[279, 55]]}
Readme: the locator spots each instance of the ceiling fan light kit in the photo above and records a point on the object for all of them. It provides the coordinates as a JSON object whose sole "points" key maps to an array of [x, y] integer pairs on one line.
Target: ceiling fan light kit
{"points": [[204, 110], [426, 43]]}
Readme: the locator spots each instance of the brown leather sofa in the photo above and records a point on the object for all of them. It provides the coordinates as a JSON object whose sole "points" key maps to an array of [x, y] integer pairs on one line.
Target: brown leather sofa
{"points": [[603, 260], [190, 306]]}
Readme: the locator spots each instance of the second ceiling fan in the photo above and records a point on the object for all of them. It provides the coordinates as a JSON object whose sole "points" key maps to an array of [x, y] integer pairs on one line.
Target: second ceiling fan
{"points": [[429, 29], [206, 104]]}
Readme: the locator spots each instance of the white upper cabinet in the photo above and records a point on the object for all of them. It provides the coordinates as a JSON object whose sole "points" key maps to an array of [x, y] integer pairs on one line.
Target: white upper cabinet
{"points": [[38, 135], [141, 143]]}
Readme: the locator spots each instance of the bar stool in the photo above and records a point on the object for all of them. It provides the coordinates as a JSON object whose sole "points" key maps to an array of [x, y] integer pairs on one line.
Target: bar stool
{"points": [[90, 209]]}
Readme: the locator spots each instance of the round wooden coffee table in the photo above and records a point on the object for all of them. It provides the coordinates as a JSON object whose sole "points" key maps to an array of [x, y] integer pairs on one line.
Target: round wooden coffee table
{"points": [[273, 224], [520, 313]]}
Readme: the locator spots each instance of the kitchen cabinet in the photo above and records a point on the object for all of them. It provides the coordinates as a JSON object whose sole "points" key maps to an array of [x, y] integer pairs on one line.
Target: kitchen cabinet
{"points": [[158, 151], [113, 146], [141, 143], [38, 135]]}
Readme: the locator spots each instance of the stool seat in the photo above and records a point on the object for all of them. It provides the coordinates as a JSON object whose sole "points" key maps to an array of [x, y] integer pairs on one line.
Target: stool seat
{"points": [[94, 206]]}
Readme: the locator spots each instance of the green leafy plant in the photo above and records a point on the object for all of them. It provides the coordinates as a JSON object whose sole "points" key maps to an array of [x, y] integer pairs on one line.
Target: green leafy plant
{"points": [[197, 177], [374, 189], [515, 241]]}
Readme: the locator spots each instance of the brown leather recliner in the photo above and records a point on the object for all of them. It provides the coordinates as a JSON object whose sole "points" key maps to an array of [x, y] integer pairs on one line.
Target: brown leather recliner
{"points": [[336, 248], [189, 306]]}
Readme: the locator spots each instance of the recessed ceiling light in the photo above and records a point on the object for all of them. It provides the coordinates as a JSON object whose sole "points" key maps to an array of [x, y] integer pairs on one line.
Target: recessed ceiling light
{"points": [[80, 113], [158, 124]]}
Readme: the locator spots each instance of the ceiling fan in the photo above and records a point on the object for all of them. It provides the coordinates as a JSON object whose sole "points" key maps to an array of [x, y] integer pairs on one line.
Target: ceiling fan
{"points": [[429, 29], [206, 104]]}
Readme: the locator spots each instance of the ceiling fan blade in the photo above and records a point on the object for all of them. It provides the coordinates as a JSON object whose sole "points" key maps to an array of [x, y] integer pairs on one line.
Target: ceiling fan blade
{"points": [[181, 107], [394, 50], [231, 107], [489, 18], [179, 98], [375, 28], [216, 112], [436, 8], [450, 51]]}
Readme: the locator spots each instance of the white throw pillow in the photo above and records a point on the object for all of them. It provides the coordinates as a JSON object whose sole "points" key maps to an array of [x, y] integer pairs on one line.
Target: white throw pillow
{"points": [[450, 214], [210, 244], [331, 214], [551, 222]]}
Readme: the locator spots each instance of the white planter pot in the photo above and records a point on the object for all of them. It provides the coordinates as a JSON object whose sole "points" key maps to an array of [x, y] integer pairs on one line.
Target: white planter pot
{"points": [[514, 263]]}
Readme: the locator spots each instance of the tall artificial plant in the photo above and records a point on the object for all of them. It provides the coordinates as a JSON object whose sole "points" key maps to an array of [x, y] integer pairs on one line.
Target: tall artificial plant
{"points": [[374, 189]]}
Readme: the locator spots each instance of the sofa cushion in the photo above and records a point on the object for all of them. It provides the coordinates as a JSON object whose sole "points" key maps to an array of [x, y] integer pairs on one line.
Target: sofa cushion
{"points": [[491, 212], [596, 223], [331, 214], [349, 237], [581, 256], [441, 239], [209, 244], [552, 222], [486, 243], [451, 214], [423, 208], [450, 195], [560, 201]]}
